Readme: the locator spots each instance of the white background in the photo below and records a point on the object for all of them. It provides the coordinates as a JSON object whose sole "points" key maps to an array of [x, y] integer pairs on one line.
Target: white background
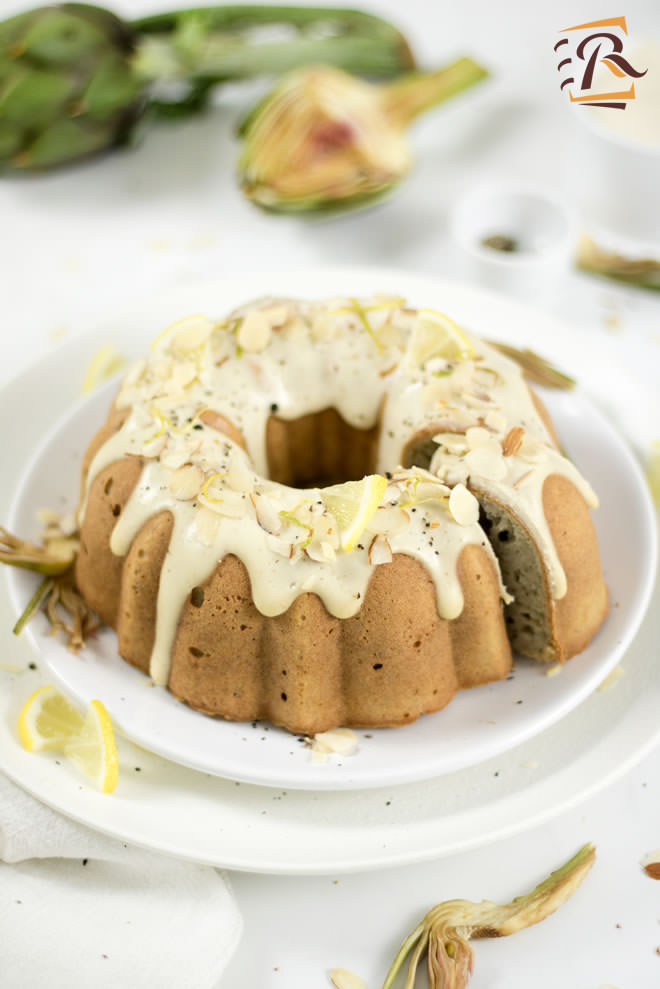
{"points": [[82, 243]]}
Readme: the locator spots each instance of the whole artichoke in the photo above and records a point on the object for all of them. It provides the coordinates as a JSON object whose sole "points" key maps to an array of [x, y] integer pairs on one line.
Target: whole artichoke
{"points": [[67, 86], [75, 78]]}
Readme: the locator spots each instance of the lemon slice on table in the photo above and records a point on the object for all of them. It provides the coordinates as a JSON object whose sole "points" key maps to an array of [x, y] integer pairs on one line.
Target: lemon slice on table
{"points": [[105, 362], [436, 335], [352, 504], [49, 721]]}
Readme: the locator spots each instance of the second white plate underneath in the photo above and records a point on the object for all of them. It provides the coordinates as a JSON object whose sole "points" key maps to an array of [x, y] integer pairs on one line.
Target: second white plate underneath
{"points": [[478, 725]]}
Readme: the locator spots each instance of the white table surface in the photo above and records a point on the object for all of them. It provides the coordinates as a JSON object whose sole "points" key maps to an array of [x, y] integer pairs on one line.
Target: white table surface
{"points": [[87, 241]]}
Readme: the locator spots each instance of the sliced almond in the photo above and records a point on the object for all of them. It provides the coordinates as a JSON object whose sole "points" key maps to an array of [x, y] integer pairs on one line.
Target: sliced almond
{"points": [[185, 483], [651, 864], [223, 425], [455, 443], [495, 420], [477, 436], [153, 448], [255, 332], [277, 314], [431, 491], [190, 333], [183, 374], [267, 514], [512, 441], [324, 327], [338, 741], [477, 401], [315, 552], [486, 463], [280, 546], [388, 521], [380, 551], [463, 506], [343, 978], [177, 454]]}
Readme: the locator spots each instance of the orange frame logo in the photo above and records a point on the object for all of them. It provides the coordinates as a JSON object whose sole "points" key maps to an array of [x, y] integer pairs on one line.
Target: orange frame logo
{"points": [[592, 48]]}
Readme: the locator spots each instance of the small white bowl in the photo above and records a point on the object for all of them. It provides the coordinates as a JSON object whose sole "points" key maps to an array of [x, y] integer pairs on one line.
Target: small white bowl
{"points": [[618, 184], [536, 222], [616, 178]]}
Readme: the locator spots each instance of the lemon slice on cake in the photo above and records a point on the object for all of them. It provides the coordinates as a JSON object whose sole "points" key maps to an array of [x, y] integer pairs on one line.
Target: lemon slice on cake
{"points": [[352, 504], [49, 721], [436, 335]]}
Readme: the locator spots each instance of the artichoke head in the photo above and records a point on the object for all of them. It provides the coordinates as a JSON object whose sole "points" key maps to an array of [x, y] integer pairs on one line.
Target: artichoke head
{"points": [[321, 140], [67, 88], [325, 140]]}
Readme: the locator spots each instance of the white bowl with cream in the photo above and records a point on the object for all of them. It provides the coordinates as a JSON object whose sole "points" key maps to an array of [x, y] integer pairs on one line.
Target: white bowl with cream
{"points": [[616, 174]]}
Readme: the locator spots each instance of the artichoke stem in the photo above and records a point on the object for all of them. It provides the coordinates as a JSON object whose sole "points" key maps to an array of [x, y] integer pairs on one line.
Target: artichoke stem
{"points": [[412, 94], [220, 42]]}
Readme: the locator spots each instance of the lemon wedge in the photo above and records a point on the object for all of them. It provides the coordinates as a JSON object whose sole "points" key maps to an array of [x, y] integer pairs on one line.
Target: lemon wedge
{"points": [[436, 335], [352, 504], [105, 362], [49, 721]]}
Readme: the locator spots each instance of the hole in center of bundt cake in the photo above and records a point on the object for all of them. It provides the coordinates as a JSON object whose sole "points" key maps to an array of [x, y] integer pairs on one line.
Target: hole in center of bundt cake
{"points": [[319, 449]]}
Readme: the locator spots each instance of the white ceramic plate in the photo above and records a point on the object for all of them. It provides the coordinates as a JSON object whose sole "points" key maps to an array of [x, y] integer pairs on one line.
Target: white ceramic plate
{"points": [[203, 818], [479, 724]]}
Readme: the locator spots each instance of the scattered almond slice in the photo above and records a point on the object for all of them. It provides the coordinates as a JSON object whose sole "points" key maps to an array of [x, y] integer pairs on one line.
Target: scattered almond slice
{"points": [[255, 332], [324, 327], [342, 978], [215, 420], [185, 483], [651, 864], [495, 420], [336, 741], [486, 463], [512, 441], [267, 514], [477, 436], [380, 551], [463, 506]]}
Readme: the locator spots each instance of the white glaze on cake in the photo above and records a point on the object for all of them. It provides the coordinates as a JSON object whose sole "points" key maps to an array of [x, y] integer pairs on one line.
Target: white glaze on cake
{"points": [[296, 358]]}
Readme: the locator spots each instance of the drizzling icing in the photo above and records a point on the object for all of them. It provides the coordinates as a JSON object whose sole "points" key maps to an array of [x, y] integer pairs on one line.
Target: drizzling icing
{"points": [[294, 358]]}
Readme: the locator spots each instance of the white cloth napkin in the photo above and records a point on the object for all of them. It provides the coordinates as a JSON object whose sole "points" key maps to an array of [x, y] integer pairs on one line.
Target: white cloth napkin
{"points": [[78, 909]]}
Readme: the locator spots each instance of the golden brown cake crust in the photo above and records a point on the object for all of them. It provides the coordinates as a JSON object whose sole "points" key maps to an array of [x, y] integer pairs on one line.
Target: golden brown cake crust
{"points": [[309, 671], [371, 633], [578, 615]]}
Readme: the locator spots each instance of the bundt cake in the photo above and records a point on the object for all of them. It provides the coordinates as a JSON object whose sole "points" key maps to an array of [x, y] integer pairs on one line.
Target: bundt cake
{"points": [[220, 541]]}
